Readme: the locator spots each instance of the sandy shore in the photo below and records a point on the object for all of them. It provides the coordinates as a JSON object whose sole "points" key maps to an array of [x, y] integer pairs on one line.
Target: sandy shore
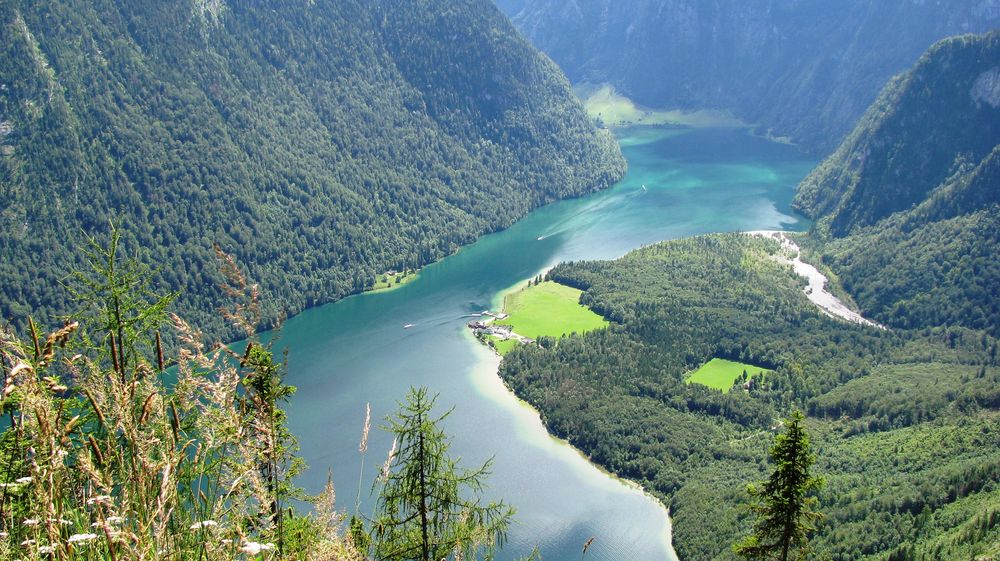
{"points": [[816, 290]]}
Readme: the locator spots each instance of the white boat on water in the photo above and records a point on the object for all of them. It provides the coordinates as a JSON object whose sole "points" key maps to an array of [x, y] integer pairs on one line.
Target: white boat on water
{"points": [[407, 326]]}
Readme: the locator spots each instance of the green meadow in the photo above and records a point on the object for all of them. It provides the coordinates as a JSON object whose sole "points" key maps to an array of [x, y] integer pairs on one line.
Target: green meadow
{"points": [[502, 346], [386, 281], [615, 110], [721, 374], [549, 309]]}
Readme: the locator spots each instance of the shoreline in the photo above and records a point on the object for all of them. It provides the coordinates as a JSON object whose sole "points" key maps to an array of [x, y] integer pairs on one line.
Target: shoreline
{"points": [[603, 102], [497, 303], [402, 278], [493, 365], [495, 388]]}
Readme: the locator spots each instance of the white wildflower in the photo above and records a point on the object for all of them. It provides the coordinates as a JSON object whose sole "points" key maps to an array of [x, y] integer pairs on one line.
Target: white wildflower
{"points": [[23, 480], [31, 522], [204, 524], [75, 538], [46, 549], [254, 548], [26, 543], [115, 520], [102, 499]]}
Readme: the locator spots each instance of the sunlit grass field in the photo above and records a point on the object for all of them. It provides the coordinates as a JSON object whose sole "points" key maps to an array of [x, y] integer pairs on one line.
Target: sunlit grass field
{"points": [[720, 373], [549, 309]]}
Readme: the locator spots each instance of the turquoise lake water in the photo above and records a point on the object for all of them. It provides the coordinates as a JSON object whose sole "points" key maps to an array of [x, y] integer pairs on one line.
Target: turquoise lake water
{"points": [[681, 182]]}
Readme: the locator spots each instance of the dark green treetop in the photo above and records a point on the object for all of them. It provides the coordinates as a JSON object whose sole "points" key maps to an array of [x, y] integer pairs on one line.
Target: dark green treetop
{"points": [[782, 504]]}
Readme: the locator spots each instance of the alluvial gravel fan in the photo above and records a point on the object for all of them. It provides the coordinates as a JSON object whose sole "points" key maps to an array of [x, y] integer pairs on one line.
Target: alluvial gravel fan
{"points": [[322, 142], [801, 69]]}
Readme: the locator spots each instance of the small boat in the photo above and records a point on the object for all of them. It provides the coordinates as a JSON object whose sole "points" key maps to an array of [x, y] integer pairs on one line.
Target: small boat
{"points": [[644, 188], [407, 326]]}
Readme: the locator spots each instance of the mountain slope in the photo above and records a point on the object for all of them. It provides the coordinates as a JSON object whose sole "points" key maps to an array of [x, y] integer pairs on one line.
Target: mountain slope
{"points": [[804, 69], [320, 142], [909, 202], [905, 423]]}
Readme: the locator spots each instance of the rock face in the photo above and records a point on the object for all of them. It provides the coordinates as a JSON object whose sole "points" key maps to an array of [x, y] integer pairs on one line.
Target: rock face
{"points": [[806, 69], [987, 88]]}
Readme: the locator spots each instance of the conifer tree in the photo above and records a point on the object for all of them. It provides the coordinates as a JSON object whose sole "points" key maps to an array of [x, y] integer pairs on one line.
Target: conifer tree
{"points": [[429, 508], [783, 505]]}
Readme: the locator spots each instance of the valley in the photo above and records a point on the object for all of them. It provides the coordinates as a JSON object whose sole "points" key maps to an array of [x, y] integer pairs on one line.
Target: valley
{"points": [[356, 351], [905, 217], [804, 71], [359, 280]]}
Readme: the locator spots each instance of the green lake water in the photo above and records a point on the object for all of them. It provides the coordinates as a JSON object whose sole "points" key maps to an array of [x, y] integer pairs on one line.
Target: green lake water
{"points": [[681, 182]]}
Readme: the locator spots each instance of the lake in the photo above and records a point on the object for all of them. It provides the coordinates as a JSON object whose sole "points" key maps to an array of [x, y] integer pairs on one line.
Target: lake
{"points": [[681, 182]]}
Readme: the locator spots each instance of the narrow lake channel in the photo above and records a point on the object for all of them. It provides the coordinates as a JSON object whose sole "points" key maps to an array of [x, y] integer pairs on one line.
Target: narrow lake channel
{"points": [[681, 182]]}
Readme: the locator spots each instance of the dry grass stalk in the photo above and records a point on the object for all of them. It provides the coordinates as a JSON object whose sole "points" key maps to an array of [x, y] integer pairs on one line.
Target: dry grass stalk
{"points": [[108, 458]]}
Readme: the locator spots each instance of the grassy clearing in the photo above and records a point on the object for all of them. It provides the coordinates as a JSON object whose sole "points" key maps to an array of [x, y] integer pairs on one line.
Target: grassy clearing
{"points": [[502, 346], [721, 374], [387, 281], [615, 110], [549, 309]]}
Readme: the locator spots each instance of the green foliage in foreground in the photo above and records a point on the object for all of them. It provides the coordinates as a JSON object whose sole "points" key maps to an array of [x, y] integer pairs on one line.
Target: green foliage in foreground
{"points": [[112, 449], [428, 508], [549, 309], [904, 424], [721, 374], [782, 504], [108, 455], [320, 143]]}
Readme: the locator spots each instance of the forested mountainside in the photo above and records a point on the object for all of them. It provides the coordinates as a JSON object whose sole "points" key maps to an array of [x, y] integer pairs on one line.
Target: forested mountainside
{"points": [[319, 142], [905, 423], [804, 69], [909, 204]]}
